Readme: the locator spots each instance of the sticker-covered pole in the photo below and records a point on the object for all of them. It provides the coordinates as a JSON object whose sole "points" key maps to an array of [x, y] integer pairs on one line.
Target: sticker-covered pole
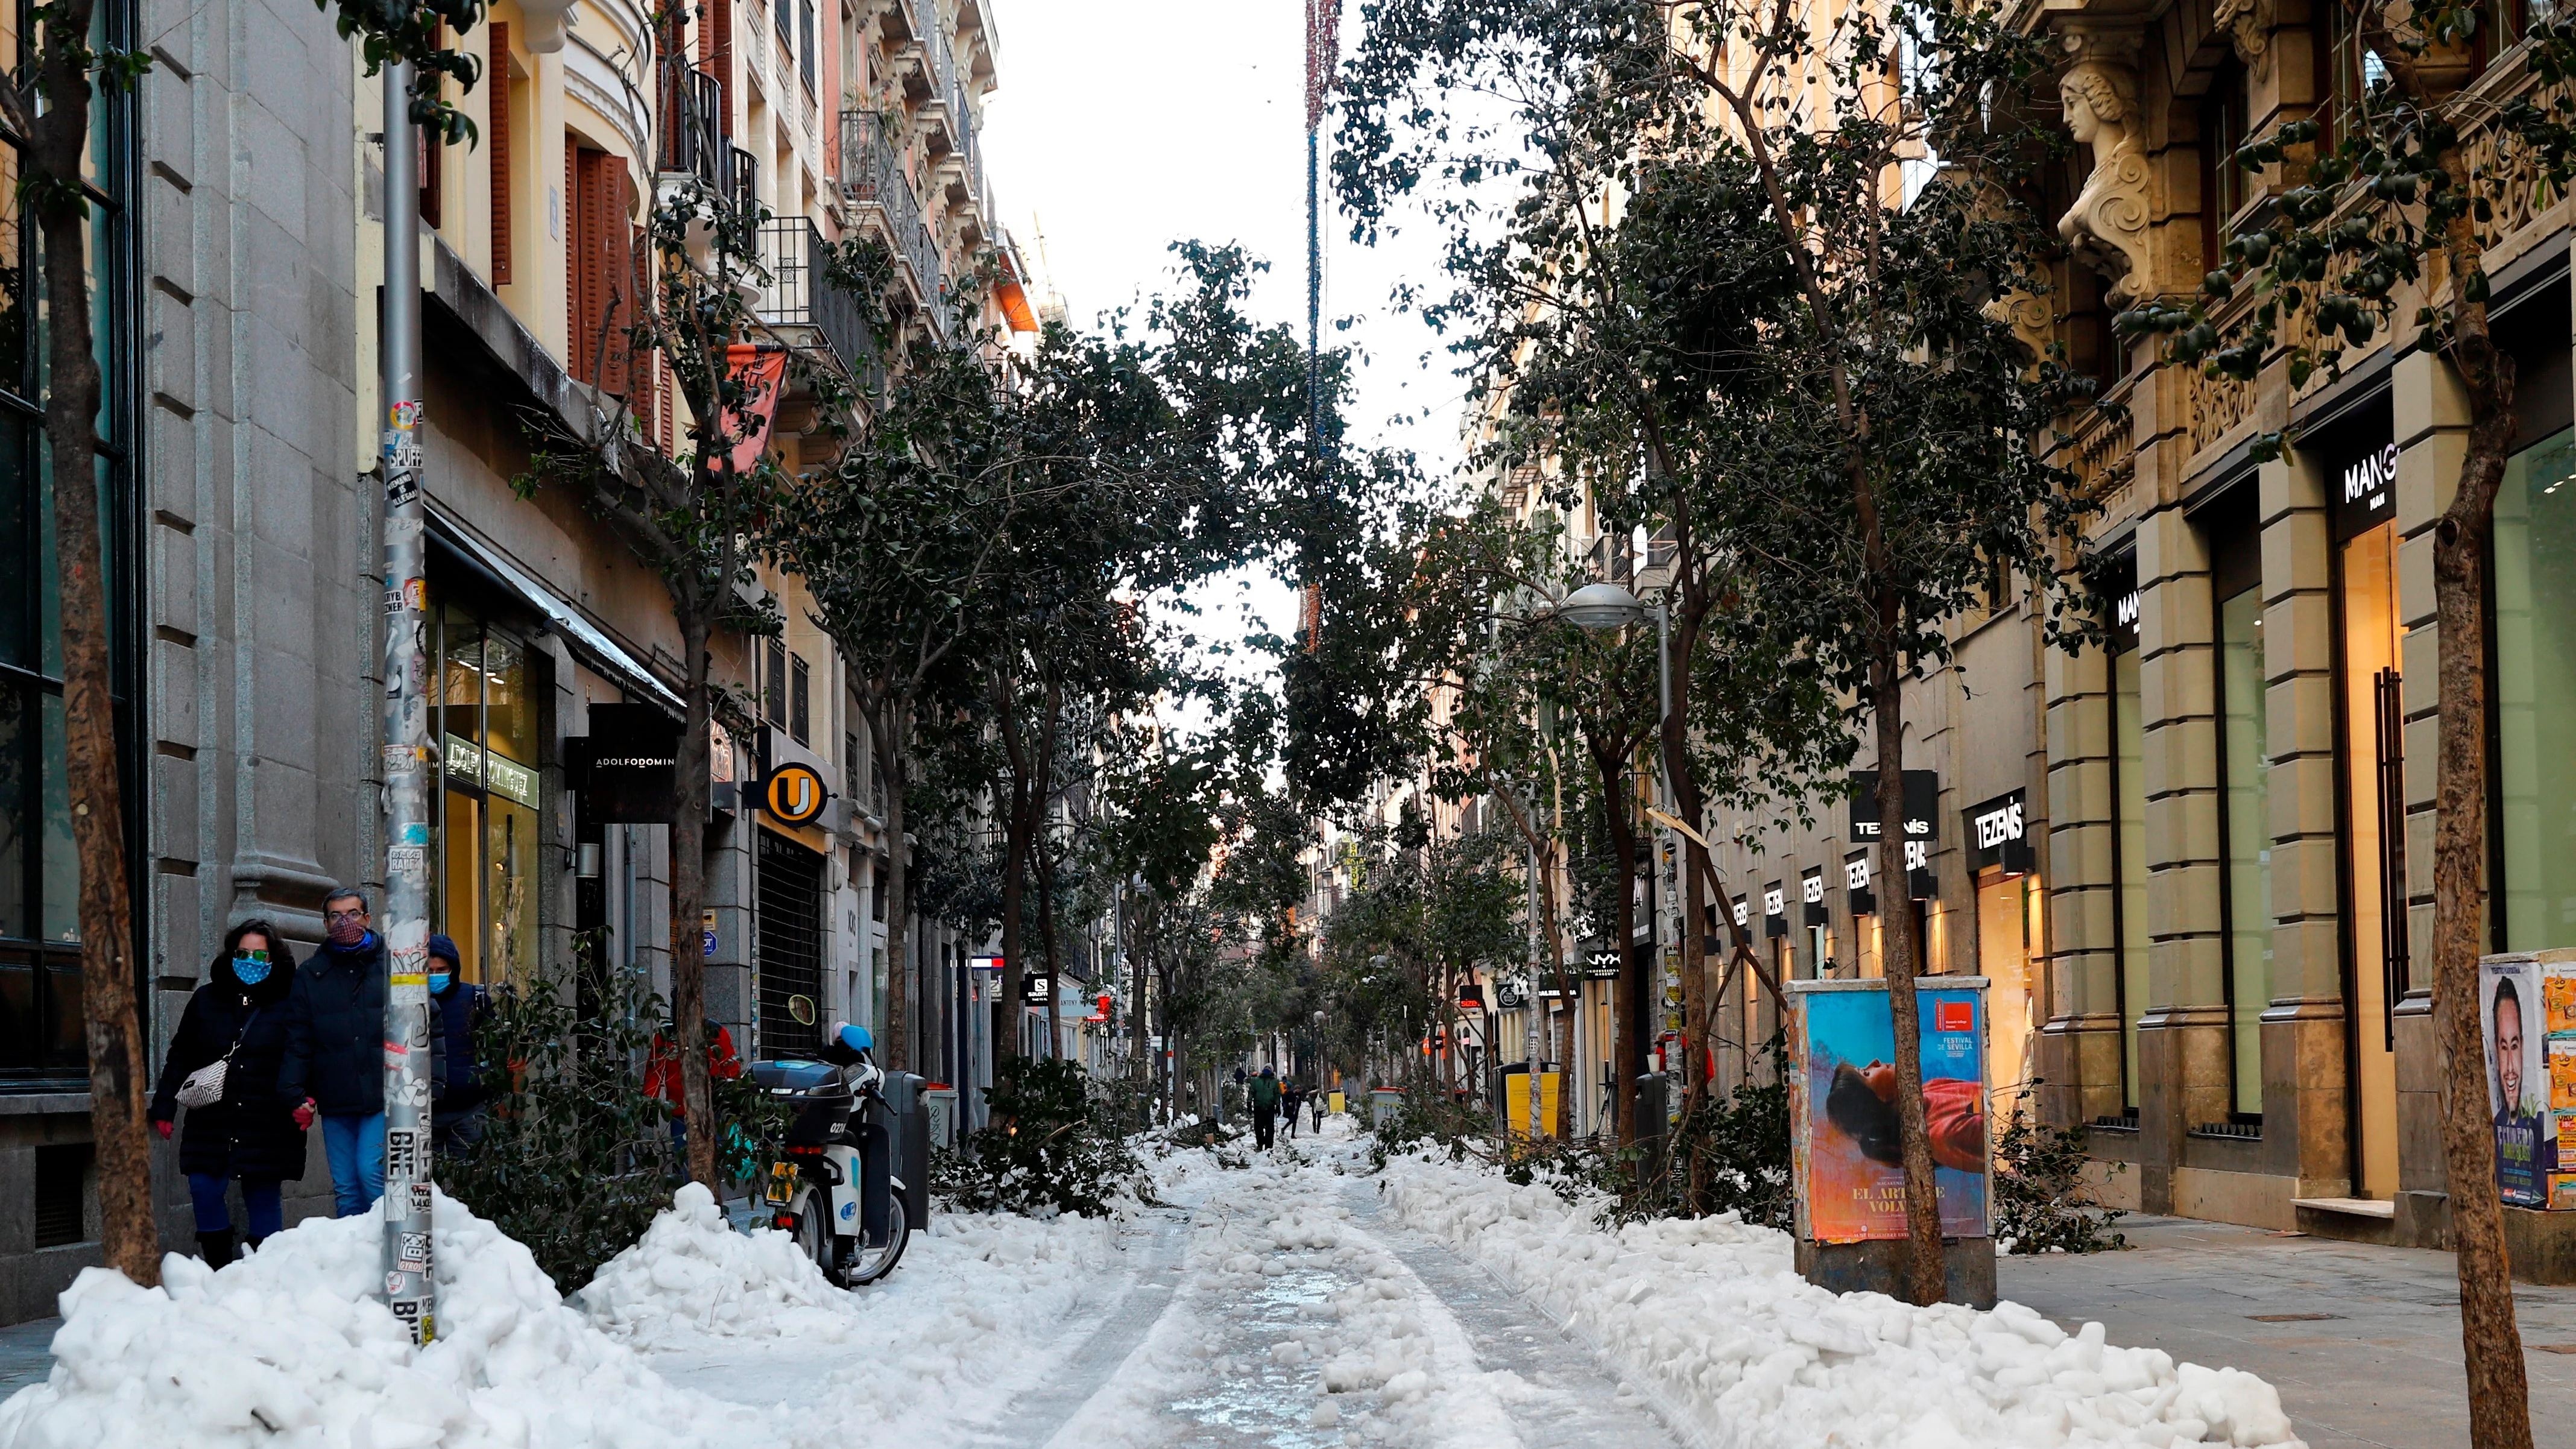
{"points": [[408, 1289]]}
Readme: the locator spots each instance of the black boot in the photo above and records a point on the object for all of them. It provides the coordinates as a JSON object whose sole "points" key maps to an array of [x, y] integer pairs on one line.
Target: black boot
{"points": [[215, 1248], [251, 1245]]}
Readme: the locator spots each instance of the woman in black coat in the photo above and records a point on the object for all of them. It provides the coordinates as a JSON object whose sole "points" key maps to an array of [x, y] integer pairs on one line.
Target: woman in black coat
{"points": [[238, 1016]]}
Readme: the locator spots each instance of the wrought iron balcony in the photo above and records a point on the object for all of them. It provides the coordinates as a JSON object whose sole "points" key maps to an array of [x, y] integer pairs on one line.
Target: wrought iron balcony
{"points": [[872, 175], [798, 296], [693, 139]]}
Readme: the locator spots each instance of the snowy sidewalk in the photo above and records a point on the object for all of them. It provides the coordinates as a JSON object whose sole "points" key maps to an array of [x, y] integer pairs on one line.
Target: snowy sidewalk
{"points": [[1293, 1300], [2363, 1341]]}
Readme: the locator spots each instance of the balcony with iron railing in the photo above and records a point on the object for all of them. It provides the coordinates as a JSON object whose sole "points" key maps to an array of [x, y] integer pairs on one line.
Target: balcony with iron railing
{"points": [[799, 298], [872, 176]]}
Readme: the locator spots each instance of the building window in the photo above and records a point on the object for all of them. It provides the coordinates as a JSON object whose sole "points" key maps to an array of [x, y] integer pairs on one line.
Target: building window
{"points": [[773, 688], [2534, 686], [41, 1039], [805, 42], [2129, 858], [2245, 762], [849, 764], [800, 700], [2223, 129], [484, 885]]}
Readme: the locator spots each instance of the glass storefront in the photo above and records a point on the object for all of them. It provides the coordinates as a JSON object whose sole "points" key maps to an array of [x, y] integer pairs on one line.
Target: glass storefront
{"points": [[2534, 688], [41, 1029], [484, 890], [2374, 863], [2246, 759]]}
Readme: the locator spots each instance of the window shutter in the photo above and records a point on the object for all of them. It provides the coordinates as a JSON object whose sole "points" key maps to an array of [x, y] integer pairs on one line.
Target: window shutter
{"points": [[715, 53], [496, 144], [616, 274], [575, 334]]}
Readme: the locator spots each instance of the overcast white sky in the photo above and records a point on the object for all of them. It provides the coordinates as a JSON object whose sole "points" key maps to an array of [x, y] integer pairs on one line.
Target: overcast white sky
{"points": [[1121, 126]]}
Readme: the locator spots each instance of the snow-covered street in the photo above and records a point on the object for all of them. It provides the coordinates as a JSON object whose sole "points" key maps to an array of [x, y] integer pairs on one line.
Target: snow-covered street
{"points": [[1294, 1299]]}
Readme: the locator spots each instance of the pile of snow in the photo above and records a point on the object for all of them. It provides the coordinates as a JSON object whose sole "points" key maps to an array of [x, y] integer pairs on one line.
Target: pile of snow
{"points": [[693, 1276], [974, 1312], [287, 1346], [1713, 1314]]}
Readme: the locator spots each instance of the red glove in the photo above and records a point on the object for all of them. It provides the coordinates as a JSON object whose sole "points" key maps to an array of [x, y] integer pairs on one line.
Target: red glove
{"points": [[163, 1127], [304, 1115]]}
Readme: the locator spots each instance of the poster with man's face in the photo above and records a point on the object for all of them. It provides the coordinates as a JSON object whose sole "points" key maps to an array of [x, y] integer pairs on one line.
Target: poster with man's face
{"points": [[2511, 1021]]}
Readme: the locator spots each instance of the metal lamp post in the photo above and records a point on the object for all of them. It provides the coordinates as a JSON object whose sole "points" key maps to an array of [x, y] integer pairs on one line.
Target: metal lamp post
{"points": [[1599, 608], [409, 1288]]}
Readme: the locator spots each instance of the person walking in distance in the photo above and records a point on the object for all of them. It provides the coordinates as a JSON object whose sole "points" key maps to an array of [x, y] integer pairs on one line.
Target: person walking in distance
{"points": [[1265, 1108], [334, 1069], [457, 1008], [223, 1070], [1292, 1100]]}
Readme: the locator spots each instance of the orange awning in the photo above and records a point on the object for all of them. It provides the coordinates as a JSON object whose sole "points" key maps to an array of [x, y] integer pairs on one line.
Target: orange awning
{"points": [[761, 370], [1015, 305]]}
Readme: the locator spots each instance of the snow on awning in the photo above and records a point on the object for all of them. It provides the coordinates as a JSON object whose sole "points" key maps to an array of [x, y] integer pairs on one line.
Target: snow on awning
{"points": [[586, 636]]}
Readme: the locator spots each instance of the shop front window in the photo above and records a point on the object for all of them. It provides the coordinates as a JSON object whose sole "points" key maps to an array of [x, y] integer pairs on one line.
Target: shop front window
{"points": [[41, 1036], [2246, 761], [2535, 693], [485, 885]]}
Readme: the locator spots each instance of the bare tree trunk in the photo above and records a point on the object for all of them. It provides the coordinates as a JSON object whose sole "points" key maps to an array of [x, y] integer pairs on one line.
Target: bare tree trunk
{"points": [[2491, 1342], [1628, 1019], [688, 897], [898, 904], [1045, 860], [1015, 845], [1927, 1274], [111, 1026]]}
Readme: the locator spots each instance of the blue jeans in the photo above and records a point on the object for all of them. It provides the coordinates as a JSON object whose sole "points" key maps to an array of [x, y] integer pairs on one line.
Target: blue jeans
{"points": [[680, 1147], [356, 1149], [214, 1215]]}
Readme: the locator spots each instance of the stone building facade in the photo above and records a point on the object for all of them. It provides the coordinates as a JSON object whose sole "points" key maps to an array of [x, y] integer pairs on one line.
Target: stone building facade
{"points": [[243, 246], [2209, 934]]}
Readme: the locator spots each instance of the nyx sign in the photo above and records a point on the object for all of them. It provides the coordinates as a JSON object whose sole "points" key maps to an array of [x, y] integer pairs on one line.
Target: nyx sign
{"points": [[1998, 834], [1922, 802]]}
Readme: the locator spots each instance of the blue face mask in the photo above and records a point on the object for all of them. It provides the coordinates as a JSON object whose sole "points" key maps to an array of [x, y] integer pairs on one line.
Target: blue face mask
{"points": [[438, 982], [249, 971]]}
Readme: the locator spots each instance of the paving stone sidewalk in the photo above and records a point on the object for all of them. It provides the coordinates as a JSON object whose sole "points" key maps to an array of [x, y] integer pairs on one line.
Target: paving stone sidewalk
{"points": [[2363, 1342], [26, 1354]]}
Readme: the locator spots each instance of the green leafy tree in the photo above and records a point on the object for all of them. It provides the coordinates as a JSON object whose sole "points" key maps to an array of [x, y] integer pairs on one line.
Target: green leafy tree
{"points": [[1780, 350]]}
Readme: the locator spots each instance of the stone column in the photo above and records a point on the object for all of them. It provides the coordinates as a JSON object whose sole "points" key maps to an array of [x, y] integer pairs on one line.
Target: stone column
{"points": [[2080, 1046], [2182, 1033], [2432, 419]]}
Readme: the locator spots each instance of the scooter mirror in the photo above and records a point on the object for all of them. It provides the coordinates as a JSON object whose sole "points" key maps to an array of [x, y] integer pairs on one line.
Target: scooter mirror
{"points": [[856, 1038]]}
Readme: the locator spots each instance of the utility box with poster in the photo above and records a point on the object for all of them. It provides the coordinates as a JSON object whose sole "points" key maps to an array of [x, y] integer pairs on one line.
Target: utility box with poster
{"points": [[1846, 1161], [2527, 1027]]}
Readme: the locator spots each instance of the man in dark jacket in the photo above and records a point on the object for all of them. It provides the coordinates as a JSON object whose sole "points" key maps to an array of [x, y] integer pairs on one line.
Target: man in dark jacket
{"points": [[335, 1052], [1265, 1108], [457, 1009]]}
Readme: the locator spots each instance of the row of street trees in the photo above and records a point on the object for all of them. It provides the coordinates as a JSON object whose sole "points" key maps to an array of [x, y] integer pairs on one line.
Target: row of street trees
{"points": [[1739, 278]]}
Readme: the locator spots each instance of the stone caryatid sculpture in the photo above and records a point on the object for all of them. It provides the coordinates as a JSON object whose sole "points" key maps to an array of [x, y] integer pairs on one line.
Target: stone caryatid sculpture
{"points": [[2107, 226]]}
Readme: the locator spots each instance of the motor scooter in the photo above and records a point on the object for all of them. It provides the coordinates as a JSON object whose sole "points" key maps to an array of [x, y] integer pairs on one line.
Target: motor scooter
{"points": [[836, 1189]]}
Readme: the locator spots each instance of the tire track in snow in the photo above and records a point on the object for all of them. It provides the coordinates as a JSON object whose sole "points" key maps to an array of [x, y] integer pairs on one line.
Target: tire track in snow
{"points": [[1040, 1412]]}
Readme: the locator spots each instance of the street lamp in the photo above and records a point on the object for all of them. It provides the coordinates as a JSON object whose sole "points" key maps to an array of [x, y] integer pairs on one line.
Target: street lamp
{"points": [[1600, 606]]}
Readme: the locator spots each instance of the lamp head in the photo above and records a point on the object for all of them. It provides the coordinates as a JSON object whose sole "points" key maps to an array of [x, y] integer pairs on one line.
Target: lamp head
{"points": [[1600, 606]]}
